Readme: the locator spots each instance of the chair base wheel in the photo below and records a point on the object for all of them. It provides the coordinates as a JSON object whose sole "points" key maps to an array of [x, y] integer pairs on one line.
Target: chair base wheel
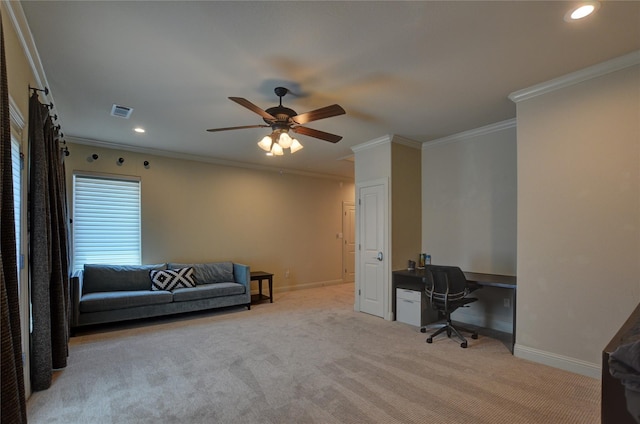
{"points": [[423, 330], [474, 336], [430, 340], [463, 345]]}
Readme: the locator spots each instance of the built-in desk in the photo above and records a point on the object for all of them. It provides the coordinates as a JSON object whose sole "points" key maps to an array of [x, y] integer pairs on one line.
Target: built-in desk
{"points": [[415, 280]]}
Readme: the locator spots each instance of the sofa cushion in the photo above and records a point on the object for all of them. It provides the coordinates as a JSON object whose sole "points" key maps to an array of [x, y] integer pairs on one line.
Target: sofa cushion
{"points": [[170, 279], [108, 278], [215, 272], [107, 301], [205, 291]]}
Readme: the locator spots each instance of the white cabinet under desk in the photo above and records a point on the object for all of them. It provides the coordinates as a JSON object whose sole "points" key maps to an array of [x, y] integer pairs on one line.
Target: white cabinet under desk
{"points": [[412, 307], [409, 306]]}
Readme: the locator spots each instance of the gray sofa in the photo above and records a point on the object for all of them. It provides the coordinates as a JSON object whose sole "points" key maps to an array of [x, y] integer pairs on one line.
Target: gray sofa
{"points": [[110, 293]]}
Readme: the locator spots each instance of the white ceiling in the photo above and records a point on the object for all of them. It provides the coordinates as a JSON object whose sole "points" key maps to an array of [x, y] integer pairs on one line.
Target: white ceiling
{"points": [[420, 70]]}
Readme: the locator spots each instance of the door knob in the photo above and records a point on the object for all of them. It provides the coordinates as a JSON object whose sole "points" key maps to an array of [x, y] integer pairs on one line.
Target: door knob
{"points": [[379, 257]]}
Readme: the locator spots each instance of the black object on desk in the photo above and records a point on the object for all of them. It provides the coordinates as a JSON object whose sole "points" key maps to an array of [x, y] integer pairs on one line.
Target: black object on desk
{"points": [[415, 280], [259, 276]]}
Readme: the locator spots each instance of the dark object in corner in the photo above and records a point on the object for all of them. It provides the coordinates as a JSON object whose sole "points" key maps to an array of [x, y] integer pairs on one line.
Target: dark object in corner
{"points": [[624, 364], [617, 406]]}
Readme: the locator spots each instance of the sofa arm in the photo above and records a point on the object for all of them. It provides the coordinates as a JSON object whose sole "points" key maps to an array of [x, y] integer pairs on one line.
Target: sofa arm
{"points": [[242, 275], [76, 294]]}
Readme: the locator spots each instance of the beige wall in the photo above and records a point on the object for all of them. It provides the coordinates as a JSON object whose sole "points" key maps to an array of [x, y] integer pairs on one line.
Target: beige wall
{"points": [[19, 74], [406, 207], [578, 217], [195, 211]]}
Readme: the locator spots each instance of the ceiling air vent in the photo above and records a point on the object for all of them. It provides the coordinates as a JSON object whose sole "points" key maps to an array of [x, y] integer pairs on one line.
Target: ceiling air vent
{"points": [[121, 111]]}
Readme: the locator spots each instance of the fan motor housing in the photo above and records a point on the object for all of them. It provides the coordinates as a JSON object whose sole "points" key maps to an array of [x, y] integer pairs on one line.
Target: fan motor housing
{"points": [[281, 113]]}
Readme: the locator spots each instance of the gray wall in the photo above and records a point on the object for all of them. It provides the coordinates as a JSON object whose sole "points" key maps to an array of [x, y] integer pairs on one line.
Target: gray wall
{"points": [[469, 209]]}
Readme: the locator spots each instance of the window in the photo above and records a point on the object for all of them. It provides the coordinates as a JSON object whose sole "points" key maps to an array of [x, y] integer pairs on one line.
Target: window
{"points": [[16, 164], [106, 220]]}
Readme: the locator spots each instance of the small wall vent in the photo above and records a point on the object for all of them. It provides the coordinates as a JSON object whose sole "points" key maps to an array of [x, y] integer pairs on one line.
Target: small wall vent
{"points": [[121, 111]]}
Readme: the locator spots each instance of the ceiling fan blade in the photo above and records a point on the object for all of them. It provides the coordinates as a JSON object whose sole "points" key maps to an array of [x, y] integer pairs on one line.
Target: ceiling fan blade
{"points": [[322, 113], [237, 128], [246, 103], [317, 134]]}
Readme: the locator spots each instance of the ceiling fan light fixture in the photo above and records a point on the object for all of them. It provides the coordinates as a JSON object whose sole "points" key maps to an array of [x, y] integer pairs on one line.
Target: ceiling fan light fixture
{"points": [[285, 140], [295, 145], [276, 150], [265, 143]]}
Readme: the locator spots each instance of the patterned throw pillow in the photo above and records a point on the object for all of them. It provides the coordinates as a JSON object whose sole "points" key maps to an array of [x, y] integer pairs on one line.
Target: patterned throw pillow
{"points": [[170, 279]]}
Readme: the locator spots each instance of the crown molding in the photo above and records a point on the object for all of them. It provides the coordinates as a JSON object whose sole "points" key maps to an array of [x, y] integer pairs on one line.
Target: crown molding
{"points": [[23, 32], [591, 72], [198, 158], [477, 132], [406, 142], [385, 139]]}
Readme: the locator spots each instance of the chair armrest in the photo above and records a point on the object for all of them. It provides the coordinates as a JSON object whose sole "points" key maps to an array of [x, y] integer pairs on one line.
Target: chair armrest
{"points": [[76, 294]]}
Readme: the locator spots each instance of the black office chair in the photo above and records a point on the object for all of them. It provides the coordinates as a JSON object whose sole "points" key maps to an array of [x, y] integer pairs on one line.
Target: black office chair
{"points": [[446, 288]]}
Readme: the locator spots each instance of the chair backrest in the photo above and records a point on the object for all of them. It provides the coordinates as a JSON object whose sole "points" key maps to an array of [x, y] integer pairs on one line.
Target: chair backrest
{"points": [[445, 283]]}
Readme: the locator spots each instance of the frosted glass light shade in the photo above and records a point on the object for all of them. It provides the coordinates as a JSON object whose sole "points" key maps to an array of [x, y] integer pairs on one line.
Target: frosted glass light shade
{"points": [[265, 143], [276, 149], [285, 140], [295, 145]]}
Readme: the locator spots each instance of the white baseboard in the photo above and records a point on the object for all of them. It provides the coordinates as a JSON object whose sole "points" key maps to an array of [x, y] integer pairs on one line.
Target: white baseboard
{"points": [[558, 361]]}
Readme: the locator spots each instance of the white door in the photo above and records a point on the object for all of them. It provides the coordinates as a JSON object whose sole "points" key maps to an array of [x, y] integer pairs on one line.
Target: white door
{"points": [[372, 265], [349, 242]]}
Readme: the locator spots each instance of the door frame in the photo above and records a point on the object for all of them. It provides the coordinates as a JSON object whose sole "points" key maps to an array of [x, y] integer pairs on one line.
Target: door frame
{"points": [[386, 250], [346, 206]]}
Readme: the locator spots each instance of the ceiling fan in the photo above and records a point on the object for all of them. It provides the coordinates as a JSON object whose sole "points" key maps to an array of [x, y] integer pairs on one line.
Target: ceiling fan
{"points": [[282, 120]]}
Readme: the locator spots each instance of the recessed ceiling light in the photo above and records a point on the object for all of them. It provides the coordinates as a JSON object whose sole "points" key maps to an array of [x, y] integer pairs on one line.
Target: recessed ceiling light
{"points": [[582, 11], [139, 130]]}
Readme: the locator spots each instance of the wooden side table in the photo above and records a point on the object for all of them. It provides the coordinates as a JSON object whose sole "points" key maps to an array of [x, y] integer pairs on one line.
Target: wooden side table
{"points": [[259, 276]]}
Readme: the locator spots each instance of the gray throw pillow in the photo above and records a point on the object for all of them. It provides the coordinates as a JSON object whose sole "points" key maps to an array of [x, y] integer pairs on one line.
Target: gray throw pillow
{"points": [[105, 278], [214, 272]]}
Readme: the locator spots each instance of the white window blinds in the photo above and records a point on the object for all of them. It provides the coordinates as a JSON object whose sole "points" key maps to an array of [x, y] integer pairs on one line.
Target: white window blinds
{"points": [[106, 220], [16, 165]]}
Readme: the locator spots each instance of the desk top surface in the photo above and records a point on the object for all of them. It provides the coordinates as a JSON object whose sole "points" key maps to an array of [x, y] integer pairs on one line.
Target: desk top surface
{"points": [[492, 280]]}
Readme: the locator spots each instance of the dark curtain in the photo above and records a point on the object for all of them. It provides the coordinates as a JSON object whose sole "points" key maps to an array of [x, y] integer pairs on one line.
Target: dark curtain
{"points": [[13, 409], [49, 254], [49, 263]]}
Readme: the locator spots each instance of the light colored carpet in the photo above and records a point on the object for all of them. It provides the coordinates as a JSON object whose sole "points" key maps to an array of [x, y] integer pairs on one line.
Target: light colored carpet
{"points": [[307, 358]]}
